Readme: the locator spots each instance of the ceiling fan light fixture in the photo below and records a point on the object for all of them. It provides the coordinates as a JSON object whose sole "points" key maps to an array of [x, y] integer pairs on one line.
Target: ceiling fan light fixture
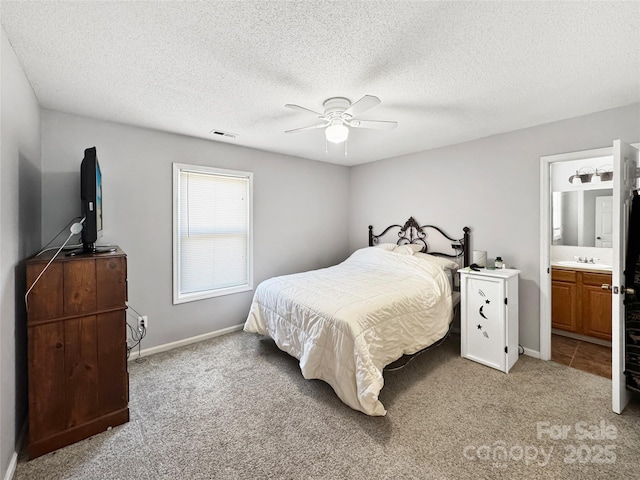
{"points": [[336, 133], [339, 117]]}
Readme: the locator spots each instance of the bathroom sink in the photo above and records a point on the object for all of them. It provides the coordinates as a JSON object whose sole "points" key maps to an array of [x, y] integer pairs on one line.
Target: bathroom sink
{"points": [[591, 266]]}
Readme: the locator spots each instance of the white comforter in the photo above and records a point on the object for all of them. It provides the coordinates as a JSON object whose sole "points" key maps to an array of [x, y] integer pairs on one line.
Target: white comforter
{"points": [[346, 323]]}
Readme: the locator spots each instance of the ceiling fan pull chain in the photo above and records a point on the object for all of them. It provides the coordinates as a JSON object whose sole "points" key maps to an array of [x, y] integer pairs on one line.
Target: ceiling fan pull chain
{"points": [[345, 146], [326, 146]]}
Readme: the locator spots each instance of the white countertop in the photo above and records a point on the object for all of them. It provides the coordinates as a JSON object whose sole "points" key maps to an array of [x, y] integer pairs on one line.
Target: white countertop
{"points": [[573, 265]]}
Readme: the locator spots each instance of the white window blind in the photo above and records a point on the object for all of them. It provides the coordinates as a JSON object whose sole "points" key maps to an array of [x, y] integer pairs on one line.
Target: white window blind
{"points": [[212, 232]]}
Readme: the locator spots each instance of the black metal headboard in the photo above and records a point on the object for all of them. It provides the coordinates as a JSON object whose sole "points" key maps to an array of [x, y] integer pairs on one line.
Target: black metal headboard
{"points": [[412, 232]]}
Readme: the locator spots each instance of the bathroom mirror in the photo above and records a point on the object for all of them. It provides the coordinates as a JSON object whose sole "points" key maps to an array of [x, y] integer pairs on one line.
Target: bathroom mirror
{"points": [[582, 218]]}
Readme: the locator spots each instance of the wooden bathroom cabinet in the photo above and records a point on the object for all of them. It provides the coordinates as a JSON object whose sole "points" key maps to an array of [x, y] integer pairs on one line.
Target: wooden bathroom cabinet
{"points": [[579, 304]]}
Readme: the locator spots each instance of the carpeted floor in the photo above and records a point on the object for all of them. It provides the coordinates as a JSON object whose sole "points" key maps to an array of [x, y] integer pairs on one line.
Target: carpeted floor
{"points": [[236, 407]]}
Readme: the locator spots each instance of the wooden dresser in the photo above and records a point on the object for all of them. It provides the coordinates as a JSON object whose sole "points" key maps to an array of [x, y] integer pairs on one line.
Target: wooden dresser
{"points": [[77, 348]]}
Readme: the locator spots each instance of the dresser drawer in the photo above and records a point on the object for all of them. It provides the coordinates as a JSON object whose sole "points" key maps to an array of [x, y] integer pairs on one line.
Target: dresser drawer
{"points": [[563, 275], [597, 279]]}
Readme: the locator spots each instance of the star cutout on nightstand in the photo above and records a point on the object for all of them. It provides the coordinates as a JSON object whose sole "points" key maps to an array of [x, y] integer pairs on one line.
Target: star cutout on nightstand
{"points": [[487, 301], [479, 327]]}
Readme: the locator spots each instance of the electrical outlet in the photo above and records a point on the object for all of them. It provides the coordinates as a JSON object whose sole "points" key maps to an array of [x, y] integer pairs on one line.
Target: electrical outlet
{"points": [[142, 323]]}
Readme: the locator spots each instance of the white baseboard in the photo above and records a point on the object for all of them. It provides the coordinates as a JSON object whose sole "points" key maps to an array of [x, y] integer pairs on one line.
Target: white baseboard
{"points": [[12, 466], [13, 463], [206, 336], [181, 343]]}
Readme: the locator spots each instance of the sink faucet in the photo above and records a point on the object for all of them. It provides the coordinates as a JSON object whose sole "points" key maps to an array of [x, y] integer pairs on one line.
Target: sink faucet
{"points": [[591, 260]]}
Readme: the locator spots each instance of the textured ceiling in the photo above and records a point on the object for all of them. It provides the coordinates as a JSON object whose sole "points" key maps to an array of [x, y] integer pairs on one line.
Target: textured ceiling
{"points": [[447, 72]]}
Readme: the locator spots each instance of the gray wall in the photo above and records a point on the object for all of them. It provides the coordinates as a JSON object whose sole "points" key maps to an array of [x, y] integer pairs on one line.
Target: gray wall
{"points": [[20, 206], [491, 185], [300, 212]]}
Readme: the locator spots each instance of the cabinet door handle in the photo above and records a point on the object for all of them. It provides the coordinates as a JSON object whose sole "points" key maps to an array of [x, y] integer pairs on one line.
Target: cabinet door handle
{"points": [[605, 286], [58, 345]]}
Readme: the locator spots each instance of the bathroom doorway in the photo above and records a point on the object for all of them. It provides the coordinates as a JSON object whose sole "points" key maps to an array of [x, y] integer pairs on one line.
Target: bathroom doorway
{"points": [[581, 274], [581, 261]]}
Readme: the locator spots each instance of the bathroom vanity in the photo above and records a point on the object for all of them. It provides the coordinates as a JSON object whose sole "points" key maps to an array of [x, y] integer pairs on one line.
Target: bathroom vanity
{"points": [[579, 304]]}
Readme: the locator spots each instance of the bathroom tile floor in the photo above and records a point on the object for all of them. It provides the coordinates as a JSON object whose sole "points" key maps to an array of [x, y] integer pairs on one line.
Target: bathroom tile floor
{"points": [[580, 355]]}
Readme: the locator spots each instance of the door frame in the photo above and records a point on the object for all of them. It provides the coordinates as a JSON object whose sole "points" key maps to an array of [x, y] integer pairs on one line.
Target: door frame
{"points": [[545, 237], [623, 183]]}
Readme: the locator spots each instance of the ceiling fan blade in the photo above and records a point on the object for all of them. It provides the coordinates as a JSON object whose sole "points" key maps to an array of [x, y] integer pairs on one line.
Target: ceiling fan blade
{"points": [[311, 127], [302, 109], [362, 105], [374, 124]]}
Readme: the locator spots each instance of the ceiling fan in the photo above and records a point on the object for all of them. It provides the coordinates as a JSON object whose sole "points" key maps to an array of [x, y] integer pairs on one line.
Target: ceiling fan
{"points": [[339, 114]]}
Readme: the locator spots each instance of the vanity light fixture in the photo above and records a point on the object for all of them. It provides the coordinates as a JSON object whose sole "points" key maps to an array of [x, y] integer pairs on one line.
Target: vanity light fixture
{"points": [[584, 174], [605, 173]]}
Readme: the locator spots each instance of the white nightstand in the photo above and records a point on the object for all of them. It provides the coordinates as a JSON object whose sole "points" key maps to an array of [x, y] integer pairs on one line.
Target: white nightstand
{"points": [[489, 317]]}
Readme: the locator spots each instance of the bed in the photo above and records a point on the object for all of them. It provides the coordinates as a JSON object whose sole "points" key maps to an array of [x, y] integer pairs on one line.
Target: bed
{"points": [[347, 322]]}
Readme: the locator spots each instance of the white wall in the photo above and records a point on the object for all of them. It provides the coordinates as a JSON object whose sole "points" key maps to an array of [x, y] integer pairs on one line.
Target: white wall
{"points": [[300, 212], [20, 206], [491, 185]]}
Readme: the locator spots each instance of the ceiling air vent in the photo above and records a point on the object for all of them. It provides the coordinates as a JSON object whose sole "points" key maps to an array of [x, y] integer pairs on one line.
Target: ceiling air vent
{"points": [[223, 134]]}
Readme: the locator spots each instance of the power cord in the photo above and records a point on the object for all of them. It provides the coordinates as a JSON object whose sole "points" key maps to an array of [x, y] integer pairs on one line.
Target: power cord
{"points": [[74, 230], [73, 246], [136, 334], [45, 249]]}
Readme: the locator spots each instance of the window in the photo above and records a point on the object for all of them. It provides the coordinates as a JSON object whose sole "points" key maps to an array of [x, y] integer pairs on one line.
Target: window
{"points": [[212, 232]]}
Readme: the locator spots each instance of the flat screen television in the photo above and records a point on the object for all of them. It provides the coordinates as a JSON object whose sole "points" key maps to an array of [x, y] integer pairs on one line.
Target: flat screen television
{"points": [[91, 199]]}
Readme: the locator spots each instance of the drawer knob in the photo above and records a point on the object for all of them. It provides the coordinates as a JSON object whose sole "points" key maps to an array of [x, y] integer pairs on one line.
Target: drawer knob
{"points": [[58, 345]]}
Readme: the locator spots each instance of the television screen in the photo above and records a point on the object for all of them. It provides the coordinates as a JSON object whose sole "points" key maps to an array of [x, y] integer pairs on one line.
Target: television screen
{"points": [[90, 185], [91, 198], [98, 200]]}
